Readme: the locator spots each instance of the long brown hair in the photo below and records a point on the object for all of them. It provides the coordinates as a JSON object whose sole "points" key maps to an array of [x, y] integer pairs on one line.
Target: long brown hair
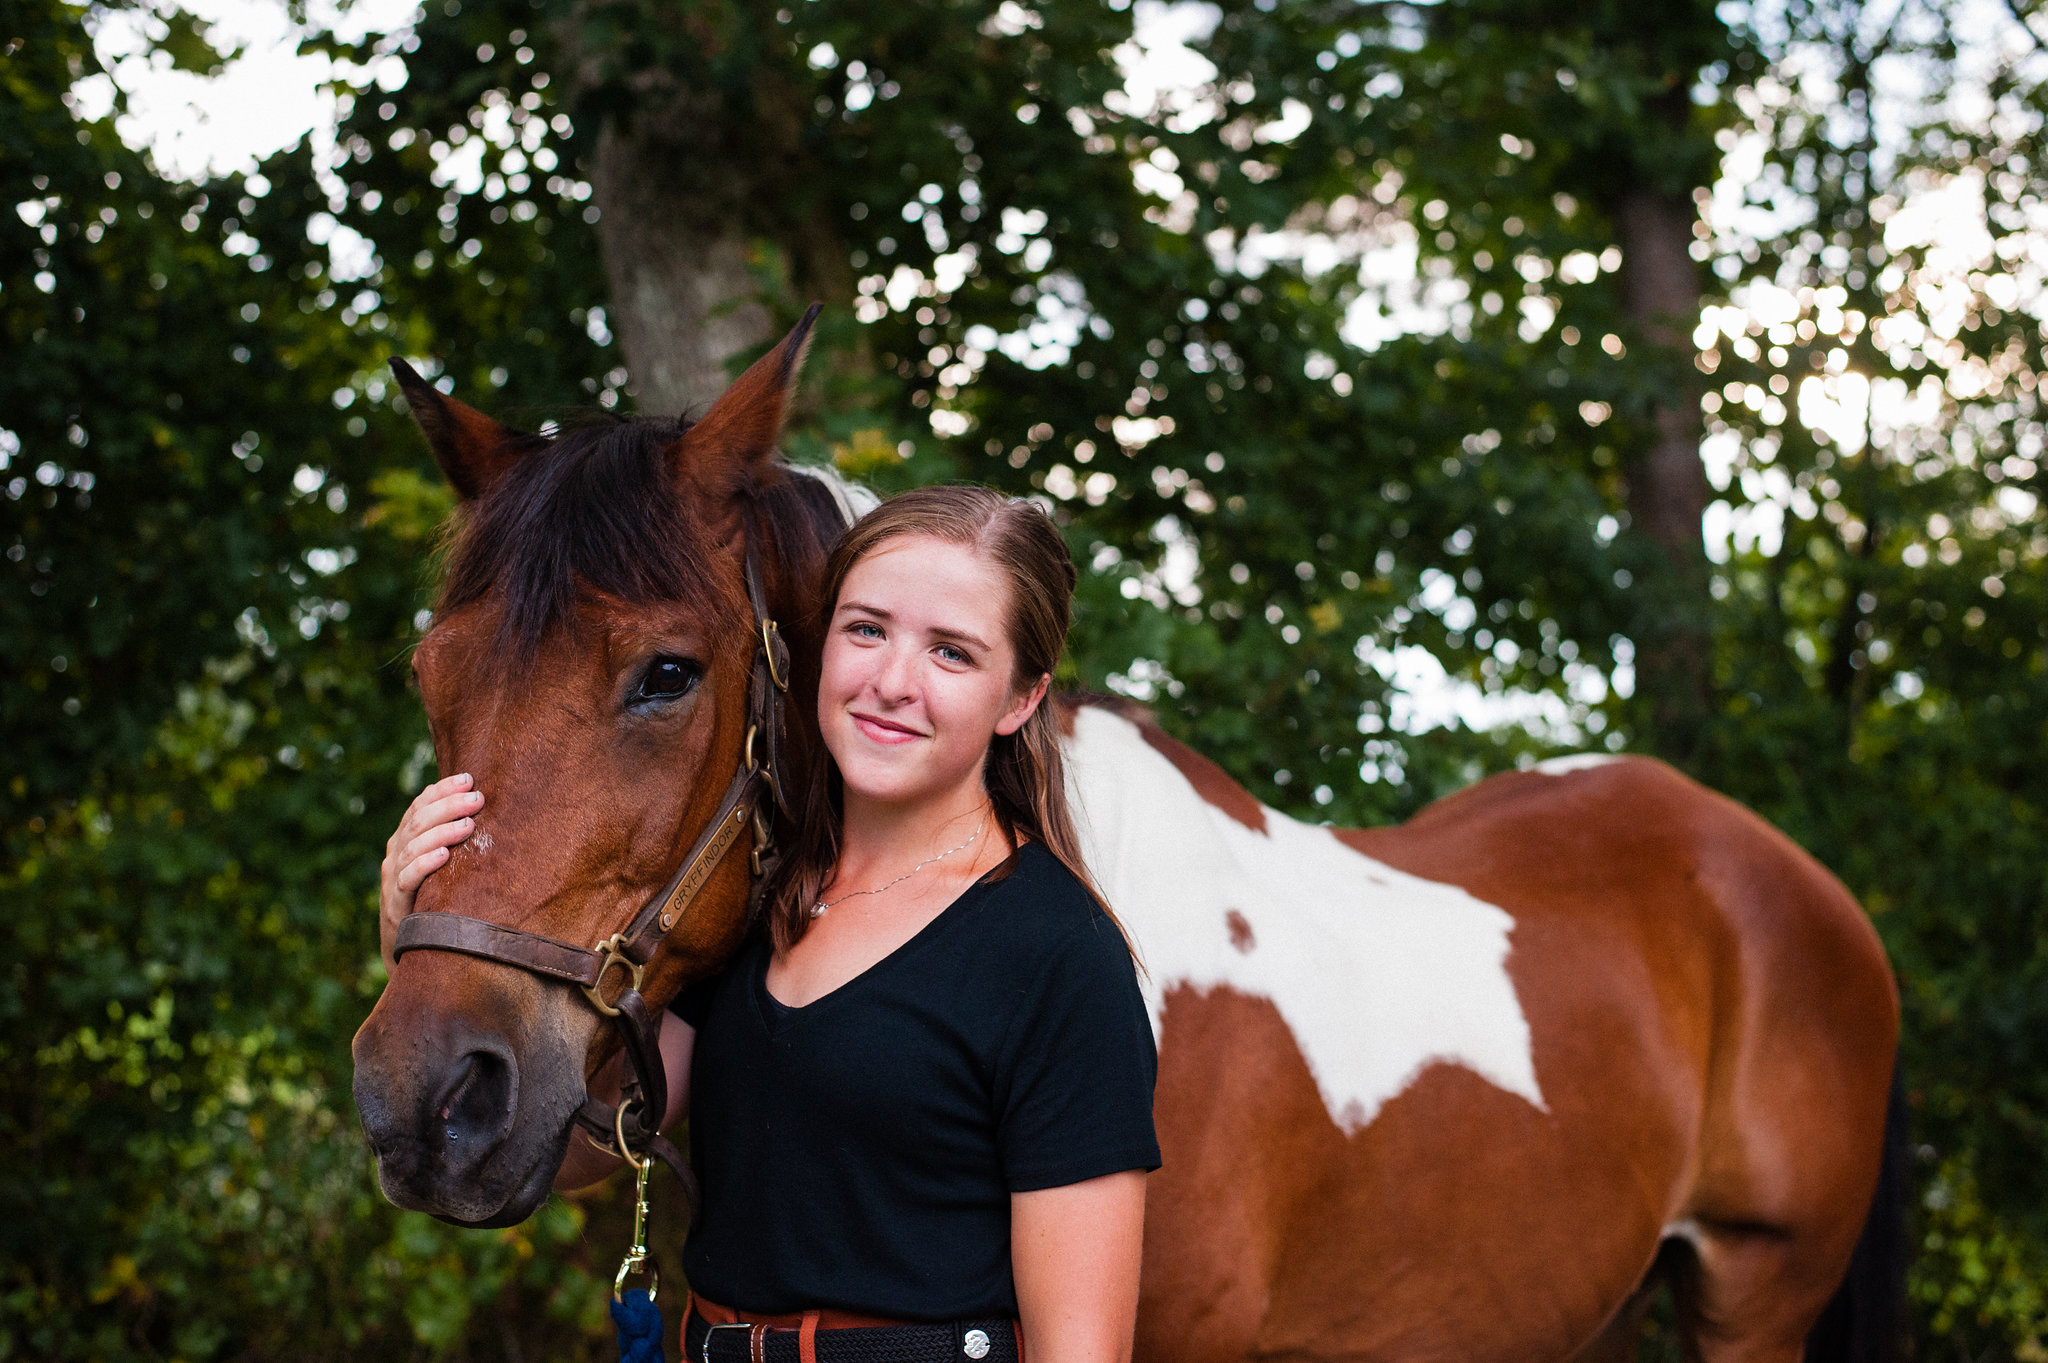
{"points": [[1023, 773]]}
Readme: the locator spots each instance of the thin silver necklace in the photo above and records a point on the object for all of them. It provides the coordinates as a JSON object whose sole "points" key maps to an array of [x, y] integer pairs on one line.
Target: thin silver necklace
{"points": [[818, 909]]}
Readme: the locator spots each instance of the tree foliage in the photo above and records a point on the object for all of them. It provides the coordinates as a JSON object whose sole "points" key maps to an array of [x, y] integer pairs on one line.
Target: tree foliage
{"points": [[1326, 354]]}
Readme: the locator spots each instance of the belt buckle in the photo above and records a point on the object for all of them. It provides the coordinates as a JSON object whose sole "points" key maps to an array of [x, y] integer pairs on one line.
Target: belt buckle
{"points": [[710, 1330]]}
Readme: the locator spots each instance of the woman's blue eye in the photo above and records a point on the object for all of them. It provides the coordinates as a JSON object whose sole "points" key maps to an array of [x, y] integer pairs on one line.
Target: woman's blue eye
{"points": [[866, 629], [952, 654]]}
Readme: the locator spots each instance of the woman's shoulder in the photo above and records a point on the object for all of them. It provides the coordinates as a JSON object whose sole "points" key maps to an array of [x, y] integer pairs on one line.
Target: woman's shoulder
{"points": [[1034, 874], [1040, 907]]}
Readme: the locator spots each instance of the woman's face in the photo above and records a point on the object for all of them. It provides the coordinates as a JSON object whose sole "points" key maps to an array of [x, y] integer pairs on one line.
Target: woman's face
{"points": [[916, 675]]}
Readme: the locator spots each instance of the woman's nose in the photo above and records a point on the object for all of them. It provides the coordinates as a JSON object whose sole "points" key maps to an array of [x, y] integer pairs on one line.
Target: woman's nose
{"points": [[895, 679]]}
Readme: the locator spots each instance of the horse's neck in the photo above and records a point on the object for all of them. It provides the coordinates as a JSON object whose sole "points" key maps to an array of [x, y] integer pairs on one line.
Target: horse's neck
{"points": [[800, 544]]}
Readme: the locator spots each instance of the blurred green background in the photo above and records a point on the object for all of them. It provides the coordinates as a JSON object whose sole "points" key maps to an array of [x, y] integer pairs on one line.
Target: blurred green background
{"points": [[1424, 389]]}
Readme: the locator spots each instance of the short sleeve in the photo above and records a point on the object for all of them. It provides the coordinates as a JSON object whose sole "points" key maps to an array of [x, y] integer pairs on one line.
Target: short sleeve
{"points": [[1074, 1085]]}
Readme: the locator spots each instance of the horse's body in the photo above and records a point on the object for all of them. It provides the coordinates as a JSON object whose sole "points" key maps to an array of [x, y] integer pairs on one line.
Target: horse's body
{"points": [[1441, 1091], [1444, 1091]]}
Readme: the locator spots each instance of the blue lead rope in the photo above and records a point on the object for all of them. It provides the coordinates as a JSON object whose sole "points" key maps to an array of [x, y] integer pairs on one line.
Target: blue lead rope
{"points": [[639, 1322]]}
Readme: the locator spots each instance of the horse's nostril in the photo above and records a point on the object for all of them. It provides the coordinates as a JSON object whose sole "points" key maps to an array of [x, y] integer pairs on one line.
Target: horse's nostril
{"points": [[478, 1108]]}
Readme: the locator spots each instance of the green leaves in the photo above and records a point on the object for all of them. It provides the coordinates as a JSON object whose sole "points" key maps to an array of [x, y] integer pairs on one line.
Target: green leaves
{"points": [[184, 39]]}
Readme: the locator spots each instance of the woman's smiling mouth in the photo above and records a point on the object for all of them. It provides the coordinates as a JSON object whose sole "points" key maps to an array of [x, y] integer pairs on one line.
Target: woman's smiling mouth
{"points": [[881, 730]]}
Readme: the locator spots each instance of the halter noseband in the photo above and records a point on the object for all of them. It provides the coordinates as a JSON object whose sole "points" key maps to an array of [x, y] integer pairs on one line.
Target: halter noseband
{"points": [[633, 1128]]}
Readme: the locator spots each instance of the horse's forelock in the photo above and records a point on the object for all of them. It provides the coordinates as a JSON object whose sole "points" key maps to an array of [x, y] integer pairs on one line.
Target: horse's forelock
{"points": [[599, 507]]}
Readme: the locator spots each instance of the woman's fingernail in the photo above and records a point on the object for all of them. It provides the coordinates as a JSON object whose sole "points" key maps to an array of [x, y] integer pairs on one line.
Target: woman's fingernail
{"points": [[463, 778]]}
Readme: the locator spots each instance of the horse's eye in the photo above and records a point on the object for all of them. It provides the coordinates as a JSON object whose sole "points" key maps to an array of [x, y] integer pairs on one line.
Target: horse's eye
{"points": [[669, 679]]}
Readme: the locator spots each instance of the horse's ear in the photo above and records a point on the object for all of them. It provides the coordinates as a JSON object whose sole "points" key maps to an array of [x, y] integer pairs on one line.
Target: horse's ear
{"points": [[472, 449], [738, 434]]}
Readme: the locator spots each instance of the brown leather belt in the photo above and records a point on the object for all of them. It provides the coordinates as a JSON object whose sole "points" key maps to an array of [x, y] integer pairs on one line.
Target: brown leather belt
{"points": [[718, 1334]]}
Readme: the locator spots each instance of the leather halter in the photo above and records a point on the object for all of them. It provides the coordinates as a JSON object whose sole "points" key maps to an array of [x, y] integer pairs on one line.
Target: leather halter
{"points": [[633, 1128]]}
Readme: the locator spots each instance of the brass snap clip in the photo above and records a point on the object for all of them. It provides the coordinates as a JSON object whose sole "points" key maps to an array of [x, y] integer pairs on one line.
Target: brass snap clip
{"points": [[636, 1260]]}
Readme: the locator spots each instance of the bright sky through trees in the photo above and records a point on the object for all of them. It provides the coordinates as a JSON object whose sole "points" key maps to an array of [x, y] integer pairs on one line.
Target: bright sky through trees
{"points": [[270, 95], [261, 102]]}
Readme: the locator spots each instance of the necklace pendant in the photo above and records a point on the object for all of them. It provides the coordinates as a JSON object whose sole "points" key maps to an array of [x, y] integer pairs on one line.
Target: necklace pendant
{"points": [[817, 910]]}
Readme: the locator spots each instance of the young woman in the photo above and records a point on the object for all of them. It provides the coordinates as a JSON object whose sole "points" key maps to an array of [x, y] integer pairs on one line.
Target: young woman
{"points": [[922, 1092]]}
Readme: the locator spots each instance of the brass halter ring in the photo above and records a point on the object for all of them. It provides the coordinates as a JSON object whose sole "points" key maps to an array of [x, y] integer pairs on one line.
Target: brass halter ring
{"points": [[613, 949], [625, 1151]]}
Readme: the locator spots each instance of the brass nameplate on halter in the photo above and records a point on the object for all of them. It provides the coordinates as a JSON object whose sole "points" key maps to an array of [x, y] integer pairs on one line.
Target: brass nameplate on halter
{"points": [[700, 871]]}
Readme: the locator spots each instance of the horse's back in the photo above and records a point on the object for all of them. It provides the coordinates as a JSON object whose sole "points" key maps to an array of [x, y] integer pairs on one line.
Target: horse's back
{"points": [[1449, 1107]]}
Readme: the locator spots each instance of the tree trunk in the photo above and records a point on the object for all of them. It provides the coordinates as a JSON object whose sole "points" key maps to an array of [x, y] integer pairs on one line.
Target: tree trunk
{"points": [[683, 301], [692, 178], [1667, 486]]}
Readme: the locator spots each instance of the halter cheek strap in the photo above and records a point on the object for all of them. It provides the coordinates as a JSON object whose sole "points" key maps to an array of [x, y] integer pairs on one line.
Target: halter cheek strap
{"points": [[633, 1128]]}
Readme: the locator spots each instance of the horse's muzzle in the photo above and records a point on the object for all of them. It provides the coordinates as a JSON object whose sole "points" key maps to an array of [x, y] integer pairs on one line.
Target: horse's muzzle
{"points": [[460, 1114]]}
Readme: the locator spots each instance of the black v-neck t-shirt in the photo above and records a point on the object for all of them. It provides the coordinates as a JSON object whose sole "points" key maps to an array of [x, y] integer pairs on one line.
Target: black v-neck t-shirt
{"points": [[859, 1153]]}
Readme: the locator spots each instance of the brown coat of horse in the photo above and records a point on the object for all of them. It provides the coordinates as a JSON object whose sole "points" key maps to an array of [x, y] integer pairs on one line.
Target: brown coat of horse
{"points": [[1706, 1019], [1713, 1024]]}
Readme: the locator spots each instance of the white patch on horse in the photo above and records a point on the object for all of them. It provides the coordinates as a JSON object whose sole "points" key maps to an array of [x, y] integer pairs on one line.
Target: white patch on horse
{"points": [[854, 500], [1578, 761], [1378, 973], [1688, 1231]]}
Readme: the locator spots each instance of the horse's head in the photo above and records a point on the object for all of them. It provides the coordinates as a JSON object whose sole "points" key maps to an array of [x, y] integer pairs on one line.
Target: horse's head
{"points": [[589, 665]]}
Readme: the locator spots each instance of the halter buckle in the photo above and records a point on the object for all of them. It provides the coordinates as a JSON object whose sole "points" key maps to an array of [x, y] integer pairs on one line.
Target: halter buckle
{"points": [[764, 830], [613, 949], [778, 654]]}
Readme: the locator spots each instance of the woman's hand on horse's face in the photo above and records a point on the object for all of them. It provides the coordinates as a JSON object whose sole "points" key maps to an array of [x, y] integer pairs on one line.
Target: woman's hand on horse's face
{"points": [[440, 816]]}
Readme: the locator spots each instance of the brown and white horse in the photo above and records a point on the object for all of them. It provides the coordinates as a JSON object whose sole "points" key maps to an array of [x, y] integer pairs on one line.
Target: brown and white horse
{"points": [[1454, 1090]]}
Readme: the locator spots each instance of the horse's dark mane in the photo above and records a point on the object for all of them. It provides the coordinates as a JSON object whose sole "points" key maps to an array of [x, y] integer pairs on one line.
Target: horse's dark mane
{"points": [[598, 507], [594, 506]]}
